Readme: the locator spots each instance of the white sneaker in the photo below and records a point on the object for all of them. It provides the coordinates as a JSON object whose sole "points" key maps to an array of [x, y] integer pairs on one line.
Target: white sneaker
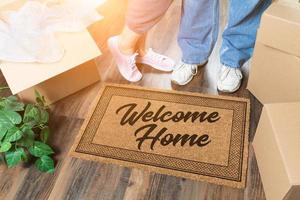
{"points": [[157, 61], [183, 73], [229, 79]]}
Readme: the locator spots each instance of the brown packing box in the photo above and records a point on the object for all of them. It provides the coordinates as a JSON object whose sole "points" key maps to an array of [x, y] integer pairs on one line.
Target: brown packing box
{"points": [[277, 150], [276, 60], [274, 75], [55, 81]]}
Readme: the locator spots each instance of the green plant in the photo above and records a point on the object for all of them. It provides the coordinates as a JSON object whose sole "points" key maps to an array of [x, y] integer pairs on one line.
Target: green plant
{"points": [[24, 133]]}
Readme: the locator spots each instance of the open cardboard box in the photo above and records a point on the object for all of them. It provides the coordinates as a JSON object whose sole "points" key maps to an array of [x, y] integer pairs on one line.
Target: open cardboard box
{"points": [[275, 68], [277, 149], [55, 81]]}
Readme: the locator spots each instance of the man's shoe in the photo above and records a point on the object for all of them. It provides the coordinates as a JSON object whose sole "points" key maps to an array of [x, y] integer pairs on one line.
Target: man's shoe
{"points": [[183, 73], [157, 61], [229, 79], [126, 63]]}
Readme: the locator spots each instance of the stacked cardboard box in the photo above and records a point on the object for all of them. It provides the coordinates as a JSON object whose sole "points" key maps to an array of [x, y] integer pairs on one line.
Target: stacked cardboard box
{"points": [[55, 81], [277, 150], [275, 67], [275, 81]]}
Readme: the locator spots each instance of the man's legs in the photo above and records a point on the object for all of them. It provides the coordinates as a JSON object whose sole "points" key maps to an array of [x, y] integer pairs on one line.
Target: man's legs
{"points": [[238, 40], [198, 30], [197, 37], [240, 33]]}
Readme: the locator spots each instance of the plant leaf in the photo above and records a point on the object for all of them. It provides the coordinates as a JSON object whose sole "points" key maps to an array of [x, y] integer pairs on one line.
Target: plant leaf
{"points": [[9, 118], [40, 149], [5, 146], [28, 137], [11, 103], [13, 135], [44, 135], [13, 158], [24, 156], [44, 116], [31, 115], [3, 131], [40, 99], [45, 164]]}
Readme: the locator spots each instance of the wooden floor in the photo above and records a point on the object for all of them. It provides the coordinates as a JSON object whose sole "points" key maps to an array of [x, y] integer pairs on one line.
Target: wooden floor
{"points": [[79, 179]]}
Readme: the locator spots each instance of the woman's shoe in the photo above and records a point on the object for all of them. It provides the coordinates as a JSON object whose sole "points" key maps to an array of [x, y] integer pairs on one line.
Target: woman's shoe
{"points": [[126, 63], [157, 61]]}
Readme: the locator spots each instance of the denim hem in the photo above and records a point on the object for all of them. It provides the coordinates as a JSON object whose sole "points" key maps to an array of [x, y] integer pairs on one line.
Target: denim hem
{"points": [[194, 62], [230, 65]]}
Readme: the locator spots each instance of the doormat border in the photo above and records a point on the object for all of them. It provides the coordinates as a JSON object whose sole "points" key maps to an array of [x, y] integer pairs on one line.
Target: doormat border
{"points": [[85, 149]]}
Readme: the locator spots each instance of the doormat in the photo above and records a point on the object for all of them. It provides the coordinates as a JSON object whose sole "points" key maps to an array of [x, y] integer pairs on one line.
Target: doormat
{"points": [[182, 134]]}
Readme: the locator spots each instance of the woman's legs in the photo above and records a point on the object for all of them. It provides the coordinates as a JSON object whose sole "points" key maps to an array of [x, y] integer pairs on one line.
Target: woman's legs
{"points": [[141, 16], [128, 41], [129, 47], [131, 42]]}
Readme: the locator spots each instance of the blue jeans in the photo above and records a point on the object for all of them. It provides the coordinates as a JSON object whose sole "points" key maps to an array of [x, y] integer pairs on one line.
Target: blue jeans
{"points": [[199, 30]]}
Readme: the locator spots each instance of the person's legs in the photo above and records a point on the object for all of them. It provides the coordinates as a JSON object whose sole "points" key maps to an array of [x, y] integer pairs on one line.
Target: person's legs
{"points": [[238, 40], [198, 30], [141, 16], [128, 40], [240, 33], [197, 37]]}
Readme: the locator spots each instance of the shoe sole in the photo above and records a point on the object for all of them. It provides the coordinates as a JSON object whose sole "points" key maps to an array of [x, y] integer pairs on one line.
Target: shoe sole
{"points": [[230, 91], [111, 49], [157, 67], [185, 83]]}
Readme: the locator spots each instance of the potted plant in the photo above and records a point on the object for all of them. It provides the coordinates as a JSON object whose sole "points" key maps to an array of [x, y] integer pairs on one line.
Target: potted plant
{"points": [[24, 132]]}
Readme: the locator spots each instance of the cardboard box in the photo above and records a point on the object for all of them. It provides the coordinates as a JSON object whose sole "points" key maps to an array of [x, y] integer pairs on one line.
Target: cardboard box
{"points": [[276, 60], [277, 149], [274, 75], [57, 80], [280, 27]]}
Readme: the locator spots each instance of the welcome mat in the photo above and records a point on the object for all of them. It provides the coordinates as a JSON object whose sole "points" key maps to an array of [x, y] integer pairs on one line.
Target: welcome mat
{"points": [[176, 133]]}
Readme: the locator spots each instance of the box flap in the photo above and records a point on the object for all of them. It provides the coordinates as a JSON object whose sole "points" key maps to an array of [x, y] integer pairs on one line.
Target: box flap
{"points": [[280, 27], [285, 120], [80, 48]]}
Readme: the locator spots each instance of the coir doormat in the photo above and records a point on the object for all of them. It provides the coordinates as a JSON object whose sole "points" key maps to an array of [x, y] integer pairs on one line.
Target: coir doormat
{"points": [[181, 134]]}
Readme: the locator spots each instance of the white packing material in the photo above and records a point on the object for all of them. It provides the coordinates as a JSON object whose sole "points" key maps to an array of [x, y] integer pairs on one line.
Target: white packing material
{"points": [[28, 34]]}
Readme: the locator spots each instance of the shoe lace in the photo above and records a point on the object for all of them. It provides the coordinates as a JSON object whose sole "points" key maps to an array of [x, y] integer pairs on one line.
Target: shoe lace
{"points": [[132, 62], [156, 56], [227, 71], [187, 68]]}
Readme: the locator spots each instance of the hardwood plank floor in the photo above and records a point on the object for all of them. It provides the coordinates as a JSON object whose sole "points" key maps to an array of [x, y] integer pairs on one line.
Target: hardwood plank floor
{"points": [[79, 179]]}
